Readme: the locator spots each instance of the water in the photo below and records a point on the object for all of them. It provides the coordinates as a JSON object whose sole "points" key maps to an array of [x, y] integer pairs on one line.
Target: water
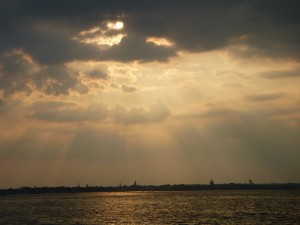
{"points": [[199, 207]]}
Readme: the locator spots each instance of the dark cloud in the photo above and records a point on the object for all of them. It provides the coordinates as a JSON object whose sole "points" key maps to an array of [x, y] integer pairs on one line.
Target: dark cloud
{"points": [[57, 80], [15, 74], [271, 28], [50, 48], [265, 97], [45, 30], [47, 35], [20, 74]]}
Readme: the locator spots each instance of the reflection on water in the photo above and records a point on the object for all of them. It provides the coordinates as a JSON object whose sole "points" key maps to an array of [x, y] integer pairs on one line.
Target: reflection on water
{"points": [[201, 207]]}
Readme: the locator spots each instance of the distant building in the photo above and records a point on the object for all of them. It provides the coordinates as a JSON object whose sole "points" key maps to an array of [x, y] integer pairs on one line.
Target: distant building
{"points": [[211, 183]]}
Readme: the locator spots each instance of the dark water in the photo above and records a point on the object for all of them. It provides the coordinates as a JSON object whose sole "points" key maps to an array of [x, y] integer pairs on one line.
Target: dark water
{"points": [[201, 207]]}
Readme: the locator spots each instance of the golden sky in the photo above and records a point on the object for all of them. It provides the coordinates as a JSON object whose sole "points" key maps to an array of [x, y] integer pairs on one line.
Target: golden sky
{"points": [[101, 93]]}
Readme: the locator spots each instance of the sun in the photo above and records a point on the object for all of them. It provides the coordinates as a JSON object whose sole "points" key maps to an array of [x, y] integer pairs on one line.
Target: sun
{"points": [[119, 25]]}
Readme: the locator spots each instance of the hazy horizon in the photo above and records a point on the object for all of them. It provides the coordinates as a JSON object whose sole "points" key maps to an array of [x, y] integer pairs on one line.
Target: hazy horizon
{"points": [[161, 92], [136, 183]]}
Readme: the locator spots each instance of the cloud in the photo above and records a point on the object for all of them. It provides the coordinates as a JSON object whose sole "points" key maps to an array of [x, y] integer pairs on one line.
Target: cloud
{"points": [[68, 112], [98, 74], [265, 97], [219, 113], [128, 89], [50, 105], [61, 50], [277, 74], [198, 26], [224, 143], [114, 85], [46, 31], [232, 85], [34, 143], [240, 138], [97, 145], [157, 112], [285, 112], [16, 71], [57, 80], [135, 48], [20, 74], [50, 42]]}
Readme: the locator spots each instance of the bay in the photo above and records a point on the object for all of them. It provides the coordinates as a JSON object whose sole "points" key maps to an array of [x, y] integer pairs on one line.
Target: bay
{"points": [[167, 207]]}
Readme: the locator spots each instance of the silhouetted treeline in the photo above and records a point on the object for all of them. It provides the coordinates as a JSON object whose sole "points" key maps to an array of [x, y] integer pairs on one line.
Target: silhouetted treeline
{"points": [[167, 187]]}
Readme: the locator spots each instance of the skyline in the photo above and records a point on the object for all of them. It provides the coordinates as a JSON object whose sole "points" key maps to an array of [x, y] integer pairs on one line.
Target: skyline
{"points": [[103, 92]]}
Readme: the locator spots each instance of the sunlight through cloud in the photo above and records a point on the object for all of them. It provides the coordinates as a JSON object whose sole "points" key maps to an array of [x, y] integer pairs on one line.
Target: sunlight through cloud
{"points": [[160, 41], [99, 36], [115, 25]]}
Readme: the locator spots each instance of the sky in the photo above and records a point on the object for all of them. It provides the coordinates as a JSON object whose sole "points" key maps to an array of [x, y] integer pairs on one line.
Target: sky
{"points": [[161, 92]]}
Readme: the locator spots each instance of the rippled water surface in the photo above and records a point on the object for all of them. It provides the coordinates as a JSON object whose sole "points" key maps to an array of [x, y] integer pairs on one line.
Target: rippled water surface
{"points": [[199, 207]]}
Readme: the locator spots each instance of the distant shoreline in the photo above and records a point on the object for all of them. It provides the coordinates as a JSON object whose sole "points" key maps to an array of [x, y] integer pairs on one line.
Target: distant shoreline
{"points": [[135, 187]]}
